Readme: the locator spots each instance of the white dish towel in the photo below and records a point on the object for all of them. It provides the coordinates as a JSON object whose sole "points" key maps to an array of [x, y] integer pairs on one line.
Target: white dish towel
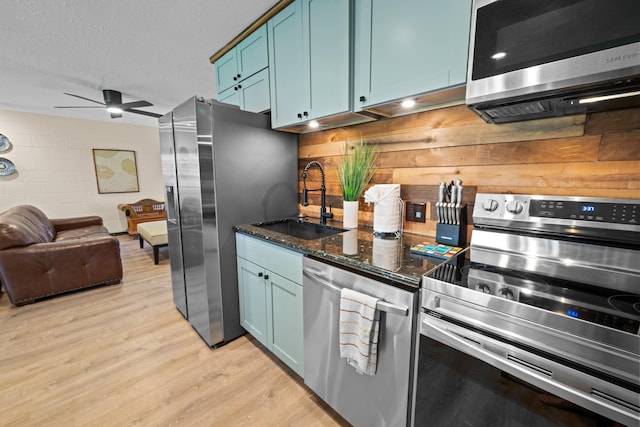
{"points": [[359, 330]]}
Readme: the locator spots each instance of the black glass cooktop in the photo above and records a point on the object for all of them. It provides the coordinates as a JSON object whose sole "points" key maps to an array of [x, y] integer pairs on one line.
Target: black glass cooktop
{"points": [[607, 307]]}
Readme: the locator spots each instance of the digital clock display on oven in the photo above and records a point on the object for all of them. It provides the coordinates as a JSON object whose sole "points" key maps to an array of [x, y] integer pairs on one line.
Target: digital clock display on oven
{"points": [[588, 208]]}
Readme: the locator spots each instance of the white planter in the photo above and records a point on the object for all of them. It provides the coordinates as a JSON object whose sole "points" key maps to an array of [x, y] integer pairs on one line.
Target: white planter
{"points": [[350, 242], [350, 214]]}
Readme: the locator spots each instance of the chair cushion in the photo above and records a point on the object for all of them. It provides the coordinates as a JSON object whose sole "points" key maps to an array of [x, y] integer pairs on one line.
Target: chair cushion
{"points": [[24, 225]]}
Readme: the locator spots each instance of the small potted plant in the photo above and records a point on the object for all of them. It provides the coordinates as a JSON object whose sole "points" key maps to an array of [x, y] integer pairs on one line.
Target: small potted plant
{"points": [[355, 170]]}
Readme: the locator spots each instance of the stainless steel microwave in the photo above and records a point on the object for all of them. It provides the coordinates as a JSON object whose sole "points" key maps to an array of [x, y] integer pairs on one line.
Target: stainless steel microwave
{"points": [[532, 59]]}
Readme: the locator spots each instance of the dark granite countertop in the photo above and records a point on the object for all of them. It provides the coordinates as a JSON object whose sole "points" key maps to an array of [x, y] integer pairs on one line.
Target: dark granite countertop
{"points": [[358, 249]]}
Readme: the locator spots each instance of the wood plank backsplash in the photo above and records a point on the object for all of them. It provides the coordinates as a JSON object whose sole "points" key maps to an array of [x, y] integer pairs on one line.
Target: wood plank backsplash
{"points": [[595, 155]]}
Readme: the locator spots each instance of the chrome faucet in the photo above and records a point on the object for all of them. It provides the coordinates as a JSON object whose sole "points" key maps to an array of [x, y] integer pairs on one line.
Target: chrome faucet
{"points": [[323, 203]]}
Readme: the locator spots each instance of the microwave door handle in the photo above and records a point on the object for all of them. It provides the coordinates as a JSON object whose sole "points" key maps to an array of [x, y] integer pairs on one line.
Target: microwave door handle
{"points": [[530, 373], [385, 306]]}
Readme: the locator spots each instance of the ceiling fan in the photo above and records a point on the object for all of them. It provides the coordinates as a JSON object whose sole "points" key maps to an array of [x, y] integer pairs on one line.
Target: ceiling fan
{"points": [[114, 105]]}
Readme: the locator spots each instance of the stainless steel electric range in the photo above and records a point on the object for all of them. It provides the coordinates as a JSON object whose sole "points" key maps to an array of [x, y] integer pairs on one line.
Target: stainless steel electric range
{"points": [[537, 322]]}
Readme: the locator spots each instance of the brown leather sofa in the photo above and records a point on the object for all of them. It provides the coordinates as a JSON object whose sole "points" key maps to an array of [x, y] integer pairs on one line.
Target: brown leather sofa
{"points": [[42, 257]]}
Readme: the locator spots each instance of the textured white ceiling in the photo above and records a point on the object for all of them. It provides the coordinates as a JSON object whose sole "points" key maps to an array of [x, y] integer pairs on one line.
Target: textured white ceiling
{"points": [[153, 50]]}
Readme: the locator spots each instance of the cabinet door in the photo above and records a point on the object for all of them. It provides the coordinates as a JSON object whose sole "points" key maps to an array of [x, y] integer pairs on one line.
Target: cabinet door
{"points": [[253, 298], [328, 27], [254, 92], [252, 53], [226, 71], [251, 94], [286, 338], [230, 96], [409, 47], [288, 69]]}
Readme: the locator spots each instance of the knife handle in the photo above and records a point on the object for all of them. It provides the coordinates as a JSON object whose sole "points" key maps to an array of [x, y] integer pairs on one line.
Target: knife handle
{"points": [[440, 205], [459, 194]]}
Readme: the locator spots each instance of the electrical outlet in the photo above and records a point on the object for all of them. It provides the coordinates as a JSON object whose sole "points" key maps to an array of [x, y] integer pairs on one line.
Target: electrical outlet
{"points": [[416, 212]]}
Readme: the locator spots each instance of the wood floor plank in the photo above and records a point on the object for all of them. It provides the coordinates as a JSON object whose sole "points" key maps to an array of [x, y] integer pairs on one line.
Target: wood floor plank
{"points": [[124, 356]]}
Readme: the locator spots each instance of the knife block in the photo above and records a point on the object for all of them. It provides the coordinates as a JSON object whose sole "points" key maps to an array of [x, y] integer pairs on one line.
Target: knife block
{"points": [[453, 234]]}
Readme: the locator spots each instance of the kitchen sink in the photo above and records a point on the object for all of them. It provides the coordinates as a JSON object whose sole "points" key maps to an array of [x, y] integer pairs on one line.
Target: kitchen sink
{"points": [[301, 229]]}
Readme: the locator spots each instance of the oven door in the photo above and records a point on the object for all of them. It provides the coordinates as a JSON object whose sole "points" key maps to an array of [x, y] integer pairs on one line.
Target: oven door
{"points": [[468, 377]]}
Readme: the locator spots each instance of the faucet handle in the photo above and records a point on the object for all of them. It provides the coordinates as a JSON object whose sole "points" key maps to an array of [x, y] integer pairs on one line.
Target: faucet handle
{"points": [[327, 214]]}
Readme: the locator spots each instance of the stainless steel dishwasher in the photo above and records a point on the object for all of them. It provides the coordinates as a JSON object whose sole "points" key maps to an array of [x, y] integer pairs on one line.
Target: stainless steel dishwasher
{"points": [[379, 400]]}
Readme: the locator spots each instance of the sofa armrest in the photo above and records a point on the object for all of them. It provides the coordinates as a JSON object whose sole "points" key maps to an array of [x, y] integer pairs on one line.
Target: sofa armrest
{"points": [[32, 272], [62, 224]]}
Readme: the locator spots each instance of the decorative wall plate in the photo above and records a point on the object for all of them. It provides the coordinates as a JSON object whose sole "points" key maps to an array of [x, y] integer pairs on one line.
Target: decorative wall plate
{"points": [[4, 143], [6, 167]]}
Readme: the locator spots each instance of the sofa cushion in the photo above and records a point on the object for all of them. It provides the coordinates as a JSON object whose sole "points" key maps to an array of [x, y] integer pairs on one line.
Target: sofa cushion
{"points": [[89, 232], [24, 225]]}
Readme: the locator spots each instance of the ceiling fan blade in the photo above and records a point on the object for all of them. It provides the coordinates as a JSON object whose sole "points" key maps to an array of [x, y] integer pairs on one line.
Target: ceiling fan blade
{"points": [[112, 97], [146, 113], [135, 104], [82, 97], [115, 115], [80, 107]]}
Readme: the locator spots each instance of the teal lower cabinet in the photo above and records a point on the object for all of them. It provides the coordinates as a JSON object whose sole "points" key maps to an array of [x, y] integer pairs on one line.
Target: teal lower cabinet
{"points": [[270, 291], [284, 321], [253, 299]]}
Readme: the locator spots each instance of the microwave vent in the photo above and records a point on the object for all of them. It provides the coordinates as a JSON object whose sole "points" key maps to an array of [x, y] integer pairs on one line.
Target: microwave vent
{"points": [[516, 110]]}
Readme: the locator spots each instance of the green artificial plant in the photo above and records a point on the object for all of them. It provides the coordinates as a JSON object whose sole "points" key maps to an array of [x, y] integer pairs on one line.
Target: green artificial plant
{"points": [[356, 169]]}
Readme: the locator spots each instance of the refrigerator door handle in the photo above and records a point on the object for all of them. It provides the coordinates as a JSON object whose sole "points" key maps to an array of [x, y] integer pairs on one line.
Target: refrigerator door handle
{"points": [[173, 203]]}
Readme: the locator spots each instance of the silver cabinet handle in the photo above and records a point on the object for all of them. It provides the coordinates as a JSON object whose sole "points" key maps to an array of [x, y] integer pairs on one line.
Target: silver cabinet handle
{"points": [[387, 307]]}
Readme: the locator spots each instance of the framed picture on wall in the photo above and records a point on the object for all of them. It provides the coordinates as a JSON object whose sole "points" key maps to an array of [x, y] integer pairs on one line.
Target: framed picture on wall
{"points": [[116, 171]]}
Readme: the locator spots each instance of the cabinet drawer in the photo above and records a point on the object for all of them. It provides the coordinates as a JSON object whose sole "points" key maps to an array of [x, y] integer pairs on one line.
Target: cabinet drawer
{"points": [[285, 262]]}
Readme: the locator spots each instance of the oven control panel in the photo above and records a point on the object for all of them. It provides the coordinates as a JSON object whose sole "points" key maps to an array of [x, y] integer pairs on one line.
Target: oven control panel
{"points": [[621, 213], [554, 213]]}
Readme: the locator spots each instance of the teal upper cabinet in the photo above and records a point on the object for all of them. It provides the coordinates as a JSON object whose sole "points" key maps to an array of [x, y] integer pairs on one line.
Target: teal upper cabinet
{"points": [[241, 74], [251, 94], [309, 56], [226, 71], [329, 54], [244, 60], [405, 48], [289, 71]]}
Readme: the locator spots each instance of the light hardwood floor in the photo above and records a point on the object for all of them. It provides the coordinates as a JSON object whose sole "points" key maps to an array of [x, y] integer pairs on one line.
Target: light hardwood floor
{"points": [[124, 356]]}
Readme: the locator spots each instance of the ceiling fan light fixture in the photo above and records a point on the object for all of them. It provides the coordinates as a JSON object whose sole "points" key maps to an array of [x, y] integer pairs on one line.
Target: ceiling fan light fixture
{"points": [[114, 105]]}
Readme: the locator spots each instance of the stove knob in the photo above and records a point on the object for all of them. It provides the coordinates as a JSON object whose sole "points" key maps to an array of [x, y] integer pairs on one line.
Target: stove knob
{"points": [[484, 288], [489, 205], [507, 293], [514, 206]]}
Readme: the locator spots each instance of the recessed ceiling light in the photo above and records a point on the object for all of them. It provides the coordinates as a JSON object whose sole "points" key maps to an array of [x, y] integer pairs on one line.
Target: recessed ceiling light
{"points": [[313, 124], [408, 103], [498, 55]]}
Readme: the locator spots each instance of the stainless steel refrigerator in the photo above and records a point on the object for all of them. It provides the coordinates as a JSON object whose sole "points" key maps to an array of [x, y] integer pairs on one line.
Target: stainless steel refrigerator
{"points": [[222, 167]]}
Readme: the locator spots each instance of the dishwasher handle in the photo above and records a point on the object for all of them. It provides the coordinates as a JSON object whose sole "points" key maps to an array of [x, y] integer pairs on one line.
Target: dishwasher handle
{"points": [[382, 305]]}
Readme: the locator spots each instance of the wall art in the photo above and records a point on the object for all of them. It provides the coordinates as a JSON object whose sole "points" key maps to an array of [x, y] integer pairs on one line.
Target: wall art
{"points": [[116, 171]]}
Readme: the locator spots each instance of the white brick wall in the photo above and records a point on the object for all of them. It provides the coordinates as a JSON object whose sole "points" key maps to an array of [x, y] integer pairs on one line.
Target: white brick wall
{"points": [[55, 171]]}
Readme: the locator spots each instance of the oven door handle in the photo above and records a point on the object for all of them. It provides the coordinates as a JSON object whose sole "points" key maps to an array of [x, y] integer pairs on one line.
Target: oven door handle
{"points": [[382, 305], [539, 377]]}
